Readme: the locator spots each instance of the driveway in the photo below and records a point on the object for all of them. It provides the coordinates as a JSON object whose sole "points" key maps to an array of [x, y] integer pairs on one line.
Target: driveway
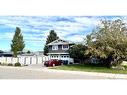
{"points": [[40, 72]]}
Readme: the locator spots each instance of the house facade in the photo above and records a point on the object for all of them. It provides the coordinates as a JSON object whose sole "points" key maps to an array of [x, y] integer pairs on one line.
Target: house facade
{"points": [[58, 49]]}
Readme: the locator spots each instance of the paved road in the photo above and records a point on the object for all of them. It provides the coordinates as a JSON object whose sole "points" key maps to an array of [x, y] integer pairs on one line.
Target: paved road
{"points": [[39, 72], [31, 72]]}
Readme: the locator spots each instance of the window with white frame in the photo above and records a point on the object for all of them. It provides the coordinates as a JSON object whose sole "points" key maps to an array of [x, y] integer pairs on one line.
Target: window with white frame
{"points": [[55, 47], [65, 47], [67, 56]]}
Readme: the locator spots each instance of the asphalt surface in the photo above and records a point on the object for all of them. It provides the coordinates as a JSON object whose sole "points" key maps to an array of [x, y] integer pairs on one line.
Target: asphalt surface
{"points": [[40, 72]]}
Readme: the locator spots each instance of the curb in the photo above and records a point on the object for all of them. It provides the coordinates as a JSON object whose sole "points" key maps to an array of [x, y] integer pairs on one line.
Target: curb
{"points": [[107, 75]]}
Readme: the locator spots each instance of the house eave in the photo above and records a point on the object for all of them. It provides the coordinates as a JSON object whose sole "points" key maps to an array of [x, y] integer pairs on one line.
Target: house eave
{"points": [[59, 43], [58, 53]]}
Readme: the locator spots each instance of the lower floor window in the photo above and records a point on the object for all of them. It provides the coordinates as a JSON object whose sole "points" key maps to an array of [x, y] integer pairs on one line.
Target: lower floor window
{"points": [[62, 56], [65, 56], [54, 56]]}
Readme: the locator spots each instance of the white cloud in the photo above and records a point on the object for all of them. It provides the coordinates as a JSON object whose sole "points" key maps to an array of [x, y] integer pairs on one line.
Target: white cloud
{"points": [[36, 28], [75, 38], [6, 36], [87, 21]]}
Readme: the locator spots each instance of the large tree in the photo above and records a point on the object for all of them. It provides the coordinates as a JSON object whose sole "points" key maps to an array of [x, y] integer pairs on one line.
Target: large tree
{"points": [[109, 42], [17, 42], [1, 51], [51, 37], [77, 52]]}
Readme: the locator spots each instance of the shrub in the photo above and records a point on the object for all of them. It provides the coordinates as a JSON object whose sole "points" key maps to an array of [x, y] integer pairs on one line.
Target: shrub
{"points": [[26, 65], [118, 67], [125, 67], [124, 63], [70, 62], [10, 64], [17, 64], [3, 64]]}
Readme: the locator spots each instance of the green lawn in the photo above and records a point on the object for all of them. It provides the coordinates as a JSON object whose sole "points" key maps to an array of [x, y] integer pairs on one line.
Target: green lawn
{"points": [[89, 68]]}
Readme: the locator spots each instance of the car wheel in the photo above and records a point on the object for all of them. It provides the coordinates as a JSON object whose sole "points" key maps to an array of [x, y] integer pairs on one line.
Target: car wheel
{"points": [[53, 65], [46, 65], [61, 63]]}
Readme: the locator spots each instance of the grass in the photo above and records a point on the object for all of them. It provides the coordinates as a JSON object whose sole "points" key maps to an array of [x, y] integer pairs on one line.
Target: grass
{"points": [[89, 68]]}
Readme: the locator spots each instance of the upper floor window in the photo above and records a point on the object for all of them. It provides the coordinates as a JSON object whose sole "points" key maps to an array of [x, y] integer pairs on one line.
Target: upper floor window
{"points": [[65, 47], [55, 47]]}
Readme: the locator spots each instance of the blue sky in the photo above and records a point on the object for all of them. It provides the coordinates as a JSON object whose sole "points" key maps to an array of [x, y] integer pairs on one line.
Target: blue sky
{"points": [[36, 28]]}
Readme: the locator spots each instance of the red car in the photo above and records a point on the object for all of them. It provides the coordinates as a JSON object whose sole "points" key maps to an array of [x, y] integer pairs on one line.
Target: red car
{"points": [[52, 62]]}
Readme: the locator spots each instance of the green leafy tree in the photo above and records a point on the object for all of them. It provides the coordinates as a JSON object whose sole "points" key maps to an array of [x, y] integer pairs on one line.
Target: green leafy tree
{"points": [[17, 42], [1, 51], [45, 50], [77, 52], [88, 40], [51, 37], [28, 52], [109, 42]]}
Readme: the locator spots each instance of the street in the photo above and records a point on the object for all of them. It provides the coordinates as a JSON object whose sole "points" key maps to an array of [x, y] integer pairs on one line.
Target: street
{"points": [[39, 72]]}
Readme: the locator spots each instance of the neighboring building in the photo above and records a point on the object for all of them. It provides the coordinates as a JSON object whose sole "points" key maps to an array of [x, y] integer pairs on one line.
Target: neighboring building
{"points": [[6, 54], [25, 53], [37, 53], [58, 49]]}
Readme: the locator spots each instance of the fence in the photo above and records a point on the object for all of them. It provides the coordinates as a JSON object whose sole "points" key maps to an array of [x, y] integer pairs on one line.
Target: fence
{"points": [[25, 59]]}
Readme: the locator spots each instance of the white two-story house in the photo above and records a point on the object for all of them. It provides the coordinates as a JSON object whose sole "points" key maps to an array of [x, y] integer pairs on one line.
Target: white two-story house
{"points": [[58, 49]]}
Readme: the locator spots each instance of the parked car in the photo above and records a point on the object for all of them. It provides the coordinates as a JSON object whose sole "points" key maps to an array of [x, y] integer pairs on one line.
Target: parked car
{"points": [[52, 62]]}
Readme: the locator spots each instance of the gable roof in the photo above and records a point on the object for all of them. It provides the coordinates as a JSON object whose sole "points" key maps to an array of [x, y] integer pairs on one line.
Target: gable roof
{"points": [[60, 42]]}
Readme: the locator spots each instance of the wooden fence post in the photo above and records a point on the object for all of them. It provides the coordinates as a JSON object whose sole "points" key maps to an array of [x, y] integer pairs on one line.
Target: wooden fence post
{"points": [[30, 60], [6, 59], [45, 58], [24, 60], [42, 59], [36, 59], [12, 60], [17, 59]]}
